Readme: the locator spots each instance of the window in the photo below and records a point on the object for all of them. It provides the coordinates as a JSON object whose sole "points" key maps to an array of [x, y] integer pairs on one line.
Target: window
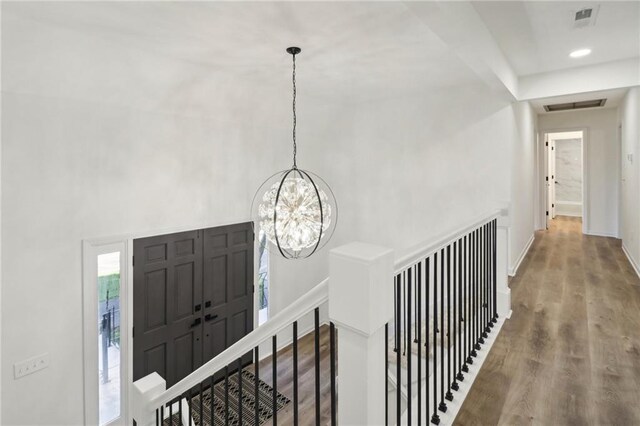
{"points": [[108, 322], [263, 279], [105, 314]]}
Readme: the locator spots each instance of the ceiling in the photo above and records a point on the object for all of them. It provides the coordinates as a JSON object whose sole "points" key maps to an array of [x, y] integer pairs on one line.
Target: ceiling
{"points": [[537, 36], [195, 49], [613, 97]]}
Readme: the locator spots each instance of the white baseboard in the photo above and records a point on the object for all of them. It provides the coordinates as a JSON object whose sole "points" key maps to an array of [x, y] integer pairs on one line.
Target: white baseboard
{"points": [[514, 270], [600, 234], [632, 261]]}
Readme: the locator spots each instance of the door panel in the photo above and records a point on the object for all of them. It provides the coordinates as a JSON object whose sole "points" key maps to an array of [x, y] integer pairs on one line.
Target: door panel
{"points": [[167, 289], [228, 287], [193, 298]]}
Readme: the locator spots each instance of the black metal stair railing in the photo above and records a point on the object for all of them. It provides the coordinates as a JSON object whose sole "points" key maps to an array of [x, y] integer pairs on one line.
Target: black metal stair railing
{"points": [[249, 400], [444, 309]]}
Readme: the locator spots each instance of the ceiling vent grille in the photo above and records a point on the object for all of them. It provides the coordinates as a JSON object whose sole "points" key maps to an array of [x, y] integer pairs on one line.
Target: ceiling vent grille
{"points": [[585, 17], [575, 105]]}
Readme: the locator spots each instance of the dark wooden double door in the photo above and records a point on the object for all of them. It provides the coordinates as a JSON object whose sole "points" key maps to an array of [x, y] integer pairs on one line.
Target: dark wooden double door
{"points": [[192, 298]]}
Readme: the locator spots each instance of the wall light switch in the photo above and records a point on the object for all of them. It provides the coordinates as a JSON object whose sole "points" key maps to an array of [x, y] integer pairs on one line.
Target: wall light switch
{"points": [[31, 365]]}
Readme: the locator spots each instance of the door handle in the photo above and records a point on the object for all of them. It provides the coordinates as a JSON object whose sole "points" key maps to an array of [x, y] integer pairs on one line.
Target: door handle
{"points": [[196, 323], [209, 317]]}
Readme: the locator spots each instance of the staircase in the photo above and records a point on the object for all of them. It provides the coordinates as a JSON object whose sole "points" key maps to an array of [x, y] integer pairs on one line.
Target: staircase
{"points": [[409, 338]]}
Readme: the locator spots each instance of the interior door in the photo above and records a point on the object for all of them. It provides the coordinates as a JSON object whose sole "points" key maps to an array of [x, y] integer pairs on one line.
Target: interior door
{"points": [[228, 287], [552, 179], [167, 300]]}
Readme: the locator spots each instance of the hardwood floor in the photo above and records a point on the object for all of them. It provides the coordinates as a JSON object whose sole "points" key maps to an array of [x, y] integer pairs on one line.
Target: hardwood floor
{"points": [[570, 354], [306, 381]]}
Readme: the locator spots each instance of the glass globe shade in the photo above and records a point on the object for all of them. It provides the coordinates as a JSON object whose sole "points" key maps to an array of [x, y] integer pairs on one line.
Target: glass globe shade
{"points": [[296, 212]]}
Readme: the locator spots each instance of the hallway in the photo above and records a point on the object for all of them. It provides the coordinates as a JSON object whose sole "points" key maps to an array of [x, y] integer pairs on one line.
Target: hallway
{"points": [[570, 354]]}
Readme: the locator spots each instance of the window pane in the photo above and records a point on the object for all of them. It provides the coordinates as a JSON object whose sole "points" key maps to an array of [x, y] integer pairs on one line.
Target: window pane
{"points": [[263, 279], [109, 336]]}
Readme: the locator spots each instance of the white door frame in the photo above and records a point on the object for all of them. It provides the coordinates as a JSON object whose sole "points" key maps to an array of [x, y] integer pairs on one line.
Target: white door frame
{"points": [[90, 251], [126, 318], [585, 175]]}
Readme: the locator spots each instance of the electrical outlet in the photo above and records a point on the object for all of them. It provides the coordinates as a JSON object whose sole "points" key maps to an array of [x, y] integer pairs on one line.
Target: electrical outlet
{"points": [[31, 365]]}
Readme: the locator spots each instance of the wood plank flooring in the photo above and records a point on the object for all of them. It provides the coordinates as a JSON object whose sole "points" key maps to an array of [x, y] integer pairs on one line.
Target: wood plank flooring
{"points": [[306, 381], [570, 354]]}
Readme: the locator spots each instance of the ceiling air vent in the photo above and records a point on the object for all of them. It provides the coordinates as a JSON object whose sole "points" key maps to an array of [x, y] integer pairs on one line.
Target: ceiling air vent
{"points": [[575, 105], [585, 17]]}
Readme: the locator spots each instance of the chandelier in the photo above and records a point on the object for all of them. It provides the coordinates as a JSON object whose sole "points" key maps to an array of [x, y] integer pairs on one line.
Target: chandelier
{"points": [[295, 208]]}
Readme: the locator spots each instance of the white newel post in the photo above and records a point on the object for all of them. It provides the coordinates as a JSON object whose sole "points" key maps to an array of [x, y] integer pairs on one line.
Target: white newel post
{"points": [[360, 304], [502, 265], [144, 390]]}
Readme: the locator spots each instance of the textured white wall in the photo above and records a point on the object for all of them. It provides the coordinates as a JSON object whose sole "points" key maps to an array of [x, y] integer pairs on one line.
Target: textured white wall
{"points": [[630, 187], [603, 163], [523, 182]]}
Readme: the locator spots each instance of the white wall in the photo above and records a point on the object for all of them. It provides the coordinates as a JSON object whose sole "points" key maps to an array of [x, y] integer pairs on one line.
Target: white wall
{"points": [[630, 182], [143, 158], [602, 165], [523, 183]]}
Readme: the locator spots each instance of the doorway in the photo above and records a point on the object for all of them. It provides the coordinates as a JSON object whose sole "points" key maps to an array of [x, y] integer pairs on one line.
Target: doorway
{"points": [[565, 175]]}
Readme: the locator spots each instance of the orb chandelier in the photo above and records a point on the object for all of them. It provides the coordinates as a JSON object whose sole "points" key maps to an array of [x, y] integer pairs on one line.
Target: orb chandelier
{"points": [[295, 208]]}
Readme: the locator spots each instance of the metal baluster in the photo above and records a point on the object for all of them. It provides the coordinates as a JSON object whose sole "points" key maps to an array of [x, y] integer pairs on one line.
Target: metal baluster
{"points": [[398, 355], [295, 373], [162, 414], [486, 280], [274, 375], [316, 314], [407, 333], [443, 406], [495, 270], [403, 279], [419, 337], [386, 374], [456, 248], [189, 406], [461, 312], [395, 312], [256, 386], [171, 411], [482, 283], [435, 419], [467, 305], [332, 360], [426, 327], [157, 417], [240, 404], [449, 395], [477, 272], [416, 301], [474, 295]]}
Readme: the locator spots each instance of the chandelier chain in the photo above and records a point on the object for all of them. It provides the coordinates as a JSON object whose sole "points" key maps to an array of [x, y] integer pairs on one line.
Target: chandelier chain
{"points": [[295, 147]]}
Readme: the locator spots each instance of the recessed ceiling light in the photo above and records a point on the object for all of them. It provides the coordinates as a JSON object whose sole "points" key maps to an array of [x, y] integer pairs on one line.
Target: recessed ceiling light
{"points": [[580, 53]]}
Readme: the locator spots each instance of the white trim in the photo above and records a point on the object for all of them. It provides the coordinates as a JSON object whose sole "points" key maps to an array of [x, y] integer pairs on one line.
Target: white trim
{"points": [[585, 166], [514, 270], [90, 251], [127, 281], [632, 261], [601, 234]]}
